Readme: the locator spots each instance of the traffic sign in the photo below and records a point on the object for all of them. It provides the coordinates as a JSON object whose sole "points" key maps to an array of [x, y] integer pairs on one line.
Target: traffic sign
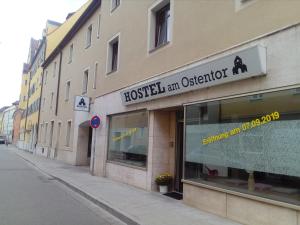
{"points": [[95, 122]]}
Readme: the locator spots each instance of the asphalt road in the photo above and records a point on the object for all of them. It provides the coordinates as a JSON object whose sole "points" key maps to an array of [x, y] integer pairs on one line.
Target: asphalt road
{"points": [[29, 197]]}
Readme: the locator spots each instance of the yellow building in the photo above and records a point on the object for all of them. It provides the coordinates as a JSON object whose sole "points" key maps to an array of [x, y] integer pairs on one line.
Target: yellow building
{"points": [[33, 78]]}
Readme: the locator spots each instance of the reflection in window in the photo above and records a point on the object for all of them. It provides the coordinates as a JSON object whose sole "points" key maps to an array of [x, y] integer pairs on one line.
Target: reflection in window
{"points": [[248, 144], [128, 138]]}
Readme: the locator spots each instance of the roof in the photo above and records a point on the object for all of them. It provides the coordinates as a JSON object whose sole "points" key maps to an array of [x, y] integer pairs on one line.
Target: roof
{"points": [[92, 7], [53, 22]]}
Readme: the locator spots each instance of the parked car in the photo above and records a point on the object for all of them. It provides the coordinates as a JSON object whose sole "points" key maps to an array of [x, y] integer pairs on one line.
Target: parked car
{"points": [[2, 139]]}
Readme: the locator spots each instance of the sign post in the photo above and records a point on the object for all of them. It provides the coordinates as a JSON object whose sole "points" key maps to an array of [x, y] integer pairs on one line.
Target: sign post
{"points": [[94, 123]]}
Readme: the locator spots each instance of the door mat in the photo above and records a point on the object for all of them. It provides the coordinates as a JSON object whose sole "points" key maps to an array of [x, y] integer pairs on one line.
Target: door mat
{"points": [[175, 195]]}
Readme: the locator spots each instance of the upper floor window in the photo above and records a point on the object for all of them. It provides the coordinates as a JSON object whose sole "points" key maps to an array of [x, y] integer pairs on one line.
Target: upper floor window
{"points": [[98, 28], [115, 4], [51, 102], [71, 53], [54, 69], [95, 75], [89, 36], [85, 81], [162, 27], [68, 90], [25, 82], [160, 24], [113, 55], [240, 4], [45, 77]]}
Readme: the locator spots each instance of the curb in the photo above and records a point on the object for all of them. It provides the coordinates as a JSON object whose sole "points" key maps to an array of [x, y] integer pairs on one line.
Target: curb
{"points": [[121, 216]]}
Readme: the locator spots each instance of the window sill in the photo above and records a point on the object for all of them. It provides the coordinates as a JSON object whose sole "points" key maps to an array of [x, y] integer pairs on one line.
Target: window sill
{"points": [[111, 72], [126, 165], [112, 10], [88, 46], [159, 47]]}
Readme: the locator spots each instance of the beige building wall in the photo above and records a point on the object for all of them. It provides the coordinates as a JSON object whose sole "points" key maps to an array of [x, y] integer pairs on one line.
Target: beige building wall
{"points": [[201, 31]]}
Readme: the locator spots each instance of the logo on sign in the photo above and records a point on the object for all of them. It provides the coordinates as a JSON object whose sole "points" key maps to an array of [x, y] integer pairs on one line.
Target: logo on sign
{"points": [[81, 103], [238, 65]]}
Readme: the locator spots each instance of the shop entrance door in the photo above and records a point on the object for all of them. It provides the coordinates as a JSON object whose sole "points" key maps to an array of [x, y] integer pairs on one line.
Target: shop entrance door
{"points": [[178, 186]]}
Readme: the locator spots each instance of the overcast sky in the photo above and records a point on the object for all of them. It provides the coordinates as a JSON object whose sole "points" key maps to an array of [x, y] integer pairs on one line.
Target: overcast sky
{"points": [[19, 21]]}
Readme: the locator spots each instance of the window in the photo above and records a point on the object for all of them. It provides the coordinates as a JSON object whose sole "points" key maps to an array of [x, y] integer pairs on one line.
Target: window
{"points": [[45, 78], [98, 28], [89, 36], [24, 98], [247, 144], [113, 55], [25, 82], [51, 102], [160, 24], [68, 85], [45, 134], [85, 81], [95, 75], [44, 102], [51, 133], [114, 4], [128, 138], [68, 133], [241, 4], [71, 53], [54, 69]]}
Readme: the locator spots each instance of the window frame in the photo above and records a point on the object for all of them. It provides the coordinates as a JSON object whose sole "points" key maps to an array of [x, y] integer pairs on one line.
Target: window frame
{"points": [[114, 5], [85, 81], [109, 59], [89, 33], [152, 24]]}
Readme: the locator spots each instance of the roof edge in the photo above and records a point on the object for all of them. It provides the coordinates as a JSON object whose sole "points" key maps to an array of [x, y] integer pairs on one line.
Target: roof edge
{"points": [[79, 23]]}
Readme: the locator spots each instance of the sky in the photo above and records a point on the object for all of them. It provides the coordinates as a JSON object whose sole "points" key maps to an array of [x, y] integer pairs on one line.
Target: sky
{"points": [[19, 21]]}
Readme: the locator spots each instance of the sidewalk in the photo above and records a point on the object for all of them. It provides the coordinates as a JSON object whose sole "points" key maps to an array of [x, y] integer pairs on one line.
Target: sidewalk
{"points": [[131, 205]]}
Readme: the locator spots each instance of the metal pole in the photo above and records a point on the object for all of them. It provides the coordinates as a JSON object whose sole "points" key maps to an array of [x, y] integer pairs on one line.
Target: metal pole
{"points": [[94, 149]]}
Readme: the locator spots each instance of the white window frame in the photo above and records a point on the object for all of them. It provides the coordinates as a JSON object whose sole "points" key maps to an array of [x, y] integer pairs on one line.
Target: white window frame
{"points": [[68, 87], [89, 34], [114, 7], [95, 75], [51, 101], [109, 54], [54, 68], [45, 134], [85, 82], [156, 6], [71, 50], [45, 77], [98, 26], [68, 133], [241, 4]]}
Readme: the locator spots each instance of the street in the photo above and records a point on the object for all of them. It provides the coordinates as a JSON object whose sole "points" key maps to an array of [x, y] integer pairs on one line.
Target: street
{"points": [[29, 197]]}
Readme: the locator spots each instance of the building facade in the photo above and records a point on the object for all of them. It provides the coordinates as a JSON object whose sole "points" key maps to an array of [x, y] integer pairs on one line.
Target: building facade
{"points": [[212, 100], [8, 122]]}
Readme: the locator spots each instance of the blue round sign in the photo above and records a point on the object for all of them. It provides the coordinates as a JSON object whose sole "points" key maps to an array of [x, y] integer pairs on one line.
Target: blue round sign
{"points": [[95, 122]]}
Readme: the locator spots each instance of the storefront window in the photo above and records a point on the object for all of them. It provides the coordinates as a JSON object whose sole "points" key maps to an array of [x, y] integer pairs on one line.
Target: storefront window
{"points": [[128, 138], [249, 144]]}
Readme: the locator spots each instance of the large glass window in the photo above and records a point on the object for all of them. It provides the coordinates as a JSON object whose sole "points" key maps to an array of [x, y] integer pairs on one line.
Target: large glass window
{"points": [[128, 138], [247, 144]]}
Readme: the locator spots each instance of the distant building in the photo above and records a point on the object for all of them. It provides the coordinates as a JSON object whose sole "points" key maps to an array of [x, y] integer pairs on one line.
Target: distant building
{"points": [[7, 122]]}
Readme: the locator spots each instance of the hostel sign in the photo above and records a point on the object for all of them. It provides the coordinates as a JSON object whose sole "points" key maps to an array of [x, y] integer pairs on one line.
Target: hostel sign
{"points": [[82, 103], [241, 65]]}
